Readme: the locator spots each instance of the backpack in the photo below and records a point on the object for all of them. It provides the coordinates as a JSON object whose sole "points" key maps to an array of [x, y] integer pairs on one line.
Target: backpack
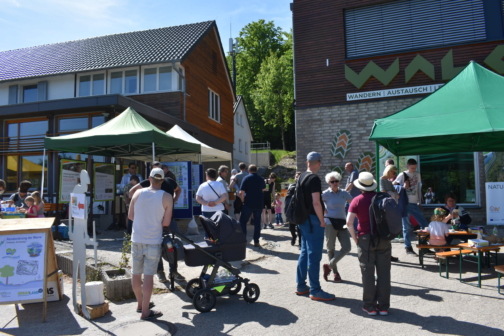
{"points": [[385, 217], [296, 212]]}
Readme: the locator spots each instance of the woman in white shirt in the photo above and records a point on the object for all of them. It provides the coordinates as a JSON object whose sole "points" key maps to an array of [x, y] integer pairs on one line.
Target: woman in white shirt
{"points": [[211, 194]]}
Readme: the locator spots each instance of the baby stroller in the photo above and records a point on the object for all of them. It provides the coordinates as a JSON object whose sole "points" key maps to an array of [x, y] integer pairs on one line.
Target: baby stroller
{"points": [[226, 242]]}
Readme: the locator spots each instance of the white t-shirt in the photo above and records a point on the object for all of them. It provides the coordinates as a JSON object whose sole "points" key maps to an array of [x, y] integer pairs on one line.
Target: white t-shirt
{"points": [[415, 181], [208, 195], [438, 232]]}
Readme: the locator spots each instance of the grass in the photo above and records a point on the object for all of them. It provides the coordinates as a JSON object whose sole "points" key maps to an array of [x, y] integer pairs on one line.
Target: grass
{"points": [[278, 154]]}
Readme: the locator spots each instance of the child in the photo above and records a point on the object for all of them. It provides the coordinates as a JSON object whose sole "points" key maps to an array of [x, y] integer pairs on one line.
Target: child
{"points": [[438, 230], [277, 204], [32, 208], [39, 203]]}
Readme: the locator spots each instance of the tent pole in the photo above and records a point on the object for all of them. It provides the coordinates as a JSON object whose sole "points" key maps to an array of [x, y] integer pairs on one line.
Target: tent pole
{"points": [[43, 168], [377, 160], [153, 153]]}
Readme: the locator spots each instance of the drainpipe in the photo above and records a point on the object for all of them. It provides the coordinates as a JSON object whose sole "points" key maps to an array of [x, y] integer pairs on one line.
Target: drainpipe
{"points": [[183, 89]]}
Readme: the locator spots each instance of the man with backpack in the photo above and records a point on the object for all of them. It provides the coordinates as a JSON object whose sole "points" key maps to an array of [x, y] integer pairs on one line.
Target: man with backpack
{"points": [[309, 190], [374, 252]]}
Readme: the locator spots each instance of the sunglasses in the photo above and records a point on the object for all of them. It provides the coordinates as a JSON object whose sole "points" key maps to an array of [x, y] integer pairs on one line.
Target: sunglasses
{"points": [[334, 181]]}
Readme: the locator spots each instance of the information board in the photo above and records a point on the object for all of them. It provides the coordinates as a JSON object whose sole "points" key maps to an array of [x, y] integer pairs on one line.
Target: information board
{"points": [[22, 266], [104, 177], [197, 179], [69, 177], [495, 203], [183, 175]]}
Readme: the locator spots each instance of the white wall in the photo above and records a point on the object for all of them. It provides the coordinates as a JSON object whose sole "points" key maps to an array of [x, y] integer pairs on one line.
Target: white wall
{"points": [[241, 132]]}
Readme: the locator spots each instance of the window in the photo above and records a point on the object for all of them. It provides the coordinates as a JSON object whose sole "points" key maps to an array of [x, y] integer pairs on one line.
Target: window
{"points": [[239, 145], [246, 148], [26, 134], [91, 84], [28, 167], [241, 120], [213, 106], [450, 173], [412, 24], [77, 123], [124, 82], [157, 79], [30, 94]]}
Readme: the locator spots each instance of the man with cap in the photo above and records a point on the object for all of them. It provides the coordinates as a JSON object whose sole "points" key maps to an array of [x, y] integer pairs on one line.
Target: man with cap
{"points": [[312, 232], [150, 210], [374, 253]]}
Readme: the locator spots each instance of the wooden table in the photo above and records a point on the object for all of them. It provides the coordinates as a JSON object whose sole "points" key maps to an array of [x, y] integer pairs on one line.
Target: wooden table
{"points": [[423, 244], [480, 252]]}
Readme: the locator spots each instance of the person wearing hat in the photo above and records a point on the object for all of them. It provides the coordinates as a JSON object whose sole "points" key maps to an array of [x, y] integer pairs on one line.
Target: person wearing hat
{"points": [[374, 253], [312, 232], [150, 210]]}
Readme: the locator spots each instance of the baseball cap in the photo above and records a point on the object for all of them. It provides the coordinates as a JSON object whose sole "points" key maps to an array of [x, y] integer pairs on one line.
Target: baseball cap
{"points": [[156, 163], [157, 174], [313, 156]]}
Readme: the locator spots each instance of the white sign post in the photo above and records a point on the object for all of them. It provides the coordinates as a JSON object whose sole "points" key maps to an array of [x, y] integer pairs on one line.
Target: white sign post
{"points": [[495, 203]]}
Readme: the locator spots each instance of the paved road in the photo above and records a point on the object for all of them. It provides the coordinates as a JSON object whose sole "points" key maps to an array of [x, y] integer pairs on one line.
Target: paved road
{"points": [[422, 302]]}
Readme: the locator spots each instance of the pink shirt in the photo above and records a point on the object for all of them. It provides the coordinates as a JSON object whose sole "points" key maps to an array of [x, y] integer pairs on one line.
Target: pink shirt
{"points": [[278, 207]]}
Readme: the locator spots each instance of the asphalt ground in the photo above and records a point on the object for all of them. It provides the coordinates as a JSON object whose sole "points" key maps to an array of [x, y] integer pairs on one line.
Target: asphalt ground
{"points": [[422, 302]]}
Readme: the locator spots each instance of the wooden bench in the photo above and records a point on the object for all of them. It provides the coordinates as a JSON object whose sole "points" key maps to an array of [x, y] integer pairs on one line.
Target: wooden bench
{"points": [[448, 254], [500, 270], [422, 248], [50, 208]]}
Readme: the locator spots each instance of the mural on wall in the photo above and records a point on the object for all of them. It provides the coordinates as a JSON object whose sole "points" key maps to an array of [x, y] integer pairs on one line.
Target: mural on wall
{"points": [[494, 166], [367, 162], [341, 144], [338, 169]]}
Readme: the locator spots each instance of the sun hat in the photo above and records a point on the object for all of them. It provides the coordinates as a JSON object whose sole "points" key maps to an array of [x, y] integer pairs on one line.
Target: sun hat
{"points": [[313, 156], [365, 182], [157, 174]]}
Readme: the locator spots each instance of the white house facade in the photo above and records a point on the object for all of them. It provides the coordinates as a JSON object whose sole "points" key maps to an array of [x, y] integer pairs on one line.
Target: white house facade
{"points": [[242, 134]]}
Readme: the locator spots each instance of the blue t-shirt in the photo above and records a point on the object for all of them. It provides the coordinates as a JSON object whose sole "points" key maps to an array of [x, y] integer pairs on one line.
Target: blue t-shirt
{"points": [[253, 186]]}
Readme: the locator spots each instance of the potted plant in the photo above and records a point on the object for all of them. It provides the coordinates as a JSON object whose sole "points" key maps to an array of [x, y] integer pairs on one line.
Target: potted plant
{"points": [[118, 281]]}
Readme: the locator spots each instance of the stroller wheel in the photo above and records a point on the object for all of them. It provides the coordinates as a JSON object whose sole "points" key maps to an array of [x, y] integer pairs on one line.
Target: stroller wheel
{"points": [[235, 289], [251, 293], [192, 287], [204, 300]]}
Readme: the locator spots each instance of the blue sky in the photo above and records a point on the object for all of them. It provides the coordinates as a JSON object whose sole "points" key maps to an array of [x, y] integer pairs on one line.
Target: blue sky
{"points": [[26, 23]]}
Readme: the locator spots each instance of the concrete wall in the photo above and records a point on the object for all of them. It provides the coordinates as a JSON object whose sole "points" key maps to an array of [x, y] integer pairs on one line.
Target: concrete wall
{"points": [[317, 128]]}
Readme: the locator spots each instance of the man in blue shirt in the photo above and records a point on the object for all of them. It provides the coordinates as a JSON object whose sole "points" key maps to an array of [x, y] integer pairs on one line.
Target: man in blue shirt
{"points": [[251, 194]]}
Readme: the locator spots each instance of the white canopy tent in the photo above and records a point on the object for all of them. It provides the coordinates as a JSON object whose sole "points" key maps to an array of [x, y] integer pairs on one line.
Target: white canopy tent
{"points": [[208, 154]]}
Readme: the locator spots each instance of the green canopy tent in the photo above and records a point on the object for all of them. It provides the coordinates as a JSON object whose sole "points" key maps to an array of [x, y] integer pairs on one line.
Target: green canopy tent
{"points": [[464, 115], [128, 135]]}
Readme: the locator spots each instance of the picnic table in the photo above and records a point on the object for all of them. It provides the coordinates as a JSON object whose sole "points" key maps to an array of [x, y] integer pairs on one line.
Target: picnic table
{"points": [[423, 238], [480, 252]]}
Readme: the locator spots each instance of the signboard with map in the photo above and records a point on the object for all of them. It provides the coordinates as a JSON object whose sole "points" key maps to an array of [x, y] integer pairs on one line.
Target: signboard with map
{"points": [[183, 175]]}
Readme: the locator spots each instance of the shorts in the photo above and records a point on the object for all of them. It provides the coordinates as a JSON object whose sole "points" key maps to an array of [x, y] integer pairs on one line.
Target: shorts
{"points": [[238, 205], [145, 258], [267, 202]]}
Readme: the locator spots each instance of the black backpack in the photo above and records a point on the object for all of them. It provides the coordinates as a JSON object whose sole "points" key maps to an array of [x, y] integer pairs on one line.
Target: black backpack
{"points": [[297, 212], [385, 217]]}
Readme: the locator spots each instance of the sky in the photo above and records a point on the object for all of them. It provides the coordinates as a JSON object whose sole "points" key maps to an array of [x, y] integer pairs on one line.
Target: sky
{"points": [[26, 23]]}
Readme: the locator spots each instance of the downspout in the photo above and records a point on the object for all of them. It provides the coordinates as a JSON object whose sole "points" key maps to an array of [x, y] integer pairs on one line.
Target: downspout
{"points": [[183, 89]]}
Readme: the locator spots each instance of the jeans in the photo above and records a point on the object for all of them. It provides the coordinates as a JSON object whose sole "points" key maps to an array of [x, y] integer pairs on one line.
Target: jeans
{"points": [[355, 222], [173, 267], [278, 218], [344, 239], [312, 242], [415, 211], [374, 255], [244, 218]]}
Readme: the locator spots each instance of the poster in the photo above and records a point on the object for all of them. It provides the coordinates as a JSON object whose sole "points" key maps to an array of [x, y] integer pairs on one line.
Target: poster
{"points": [[196, 180], [22, 267], [495, 203], [70, 173], [183, 177], [104, 177], [78, 206]]}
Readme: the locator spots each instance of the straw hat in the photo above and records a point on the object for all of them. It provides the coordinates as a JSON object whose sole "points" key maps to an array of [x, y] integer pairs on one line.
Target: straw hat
{"points": [[365, 182]]}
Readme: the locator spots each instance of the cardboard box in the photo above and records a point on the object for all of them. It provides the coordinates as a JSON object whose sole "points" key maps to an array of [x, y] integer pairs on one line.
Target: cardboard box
{"points": [[477, 242], [97, 310]]}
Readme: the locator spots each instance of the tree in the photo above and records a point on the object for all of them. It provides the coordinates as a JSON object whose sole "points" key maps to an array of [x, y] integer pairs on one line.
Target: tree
{"points": [[274, 92], [6, 272], [257, 41]]}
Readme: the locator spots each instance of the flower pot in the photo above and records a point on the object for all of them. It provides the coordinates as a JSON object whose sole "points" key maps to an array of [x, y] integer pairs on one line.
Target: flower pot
{"points": [[118, 284]]}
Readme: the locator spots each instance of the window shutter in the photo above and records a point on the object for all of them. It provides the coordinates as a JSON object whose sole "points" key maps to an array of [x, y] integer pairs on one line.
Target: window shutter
{"points": [[42, 90], [411, 25], [13, 94]]}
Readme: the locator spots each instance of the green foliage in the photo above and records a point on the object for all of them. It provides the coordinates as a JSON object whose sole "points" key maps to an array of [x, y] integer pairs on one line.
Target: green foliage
{"points": [[258, 41], [125, 252]]}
